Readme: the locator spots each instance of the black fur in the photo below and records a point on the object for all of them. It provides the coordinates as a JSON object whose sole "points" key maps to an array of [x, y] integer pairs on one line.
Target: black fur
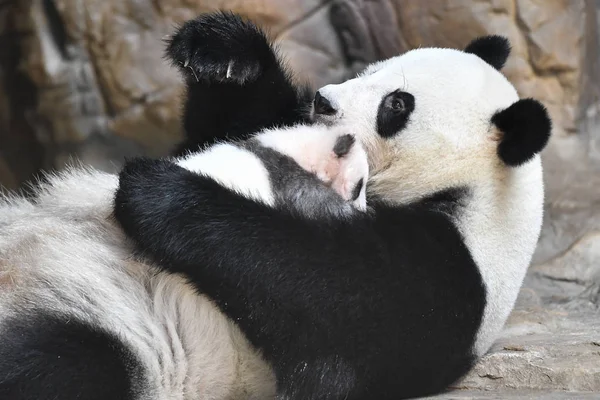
{"points": [[322, 105], [492, 49], [394, 112], [357, 189], [381, 306], [259, 92], [525, 127], [46, 357]]}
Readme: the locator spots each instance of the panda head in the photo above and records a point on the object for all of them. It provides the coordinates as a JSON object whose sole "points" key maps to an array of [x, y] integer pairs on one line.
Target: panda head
{"points": [[436, 118]]}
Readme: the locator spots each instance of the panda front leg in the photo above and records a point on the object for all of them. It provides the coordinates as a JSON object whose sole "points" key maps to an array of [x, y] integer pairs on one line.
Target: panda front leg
{"points": [[262, 265], [175, 212], [236, 83]]}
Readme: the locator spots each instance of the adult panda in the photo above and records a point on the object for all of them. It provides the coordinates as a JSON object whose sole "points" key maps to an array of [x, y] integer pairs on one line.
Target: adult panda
{"points": [[83, 318], [391, 303]]}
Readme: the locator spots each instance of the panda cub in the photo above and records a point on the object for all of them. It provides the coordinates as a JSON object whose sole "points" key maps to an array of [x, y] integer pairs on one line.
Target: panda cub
{"points": [[309, 169], [392, 303]]}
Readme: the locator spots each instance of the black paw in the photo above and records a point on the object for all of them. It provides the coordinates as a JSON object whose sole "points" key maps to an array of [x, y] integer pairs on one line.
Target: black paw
{"points": [[220, 47]]}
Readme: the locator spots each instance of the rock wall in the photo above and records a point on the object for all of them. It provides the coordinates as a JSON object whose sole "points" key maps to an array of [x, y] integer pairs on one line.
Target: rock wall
{"points": [[86, 78]]}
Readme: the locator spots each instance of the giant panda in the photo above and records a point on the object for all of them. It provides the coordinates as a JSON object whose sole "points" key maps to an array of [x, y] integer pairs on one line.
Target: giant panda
{"points": [[392, 302], [84, 316]]}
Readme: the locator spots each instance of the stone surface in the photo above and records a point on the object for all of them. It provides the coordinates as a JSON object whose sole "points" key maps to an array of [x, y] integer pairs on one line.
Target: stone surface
{"points": [[550, 348], [516, 395], [86, 78]]}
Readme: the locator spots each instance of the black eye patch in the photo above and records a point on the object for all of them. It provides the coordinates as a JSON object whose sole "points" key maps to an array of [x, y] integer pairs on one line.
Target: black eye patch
{"points": [[393, 113]]}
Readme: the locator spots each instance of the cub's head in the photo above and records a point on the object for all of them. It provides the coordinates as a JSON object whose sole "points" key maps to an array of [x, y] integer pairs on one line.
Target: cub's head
{"points": [[433, 119]]}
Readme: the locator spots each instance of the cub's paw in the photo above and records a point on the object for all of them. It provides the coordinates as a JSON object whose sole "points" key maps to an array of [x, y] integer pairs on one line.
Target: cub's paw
{"points": [[220, 47], [336, 159]]}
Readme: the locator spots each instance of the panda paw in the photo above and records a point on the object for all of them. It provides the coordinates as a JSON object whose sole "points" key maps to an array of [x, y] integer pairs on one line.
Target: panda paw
{"points": [[220, 47], [336, 159]]}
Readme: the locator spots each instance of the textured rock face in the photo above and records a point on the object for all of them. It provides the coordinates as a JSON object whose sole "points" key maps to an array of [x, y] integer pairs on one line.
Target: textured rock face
{"points": [[87, 78]]}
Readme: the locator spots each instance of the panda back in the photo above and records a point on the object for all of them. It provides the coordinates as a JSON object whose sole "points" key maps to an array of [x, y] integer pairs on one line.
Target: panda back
{"points": [[78, 310]]}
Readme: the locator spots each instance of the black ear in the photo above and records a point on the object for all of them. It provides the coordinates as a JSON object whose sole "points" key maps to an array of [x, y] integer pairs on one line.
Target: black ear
{"points": [[525, 127], [493, 49]]}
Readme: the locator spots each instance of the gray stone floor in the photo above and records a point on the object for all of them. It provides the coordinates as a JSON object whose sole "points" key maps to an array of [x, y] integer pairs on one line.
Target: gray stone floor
{"points": [[517, 395], [550, 348]]}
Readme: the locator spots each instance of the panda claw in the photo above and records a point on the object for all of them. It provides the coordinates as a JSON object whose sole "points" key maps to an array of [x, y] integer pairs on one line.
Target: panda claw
{"points": [[227, 42], [228, 74]]}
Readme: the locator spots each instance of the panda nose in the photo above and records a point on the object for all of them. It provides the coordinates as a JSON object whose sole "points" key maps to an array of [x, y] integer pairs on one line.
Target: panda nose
{"points": [[323, 106]]}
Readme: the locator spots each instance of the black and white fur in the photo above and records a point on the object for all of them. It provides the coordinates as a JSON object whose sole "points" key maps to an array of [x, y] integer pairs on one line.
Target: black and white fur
{"points": [[236, 83], [388, 304], [82, 318], [313, 171], [382, 304]]}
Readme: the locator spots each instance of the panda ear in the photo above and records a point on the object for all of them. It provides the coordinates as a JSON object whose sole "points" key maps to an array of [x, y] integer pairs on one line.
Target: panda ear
{"points": [[525, 128], [493, 49]]}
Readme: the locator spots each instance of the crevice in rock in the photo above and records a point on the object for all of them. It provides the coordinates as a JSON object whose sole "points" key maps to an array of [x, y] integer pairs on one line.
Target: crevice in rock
{"points": [[20, 148], [491, 376], [562, 279], [591, 294], [383, 23], [367, 30], [353, 33], [304, 17], [56, 27]]}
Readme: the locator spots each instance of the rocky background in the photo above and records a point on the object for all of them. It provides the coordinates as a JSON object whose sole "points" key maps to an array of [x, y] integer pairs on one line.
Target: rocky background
{"points": [[86, 78]]}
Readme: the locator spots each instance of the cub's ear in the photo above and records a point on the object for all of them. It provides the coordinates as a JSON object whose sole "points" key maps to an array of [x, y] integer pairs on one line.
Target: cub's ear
{"points": [[493, 49], [525, 128]]}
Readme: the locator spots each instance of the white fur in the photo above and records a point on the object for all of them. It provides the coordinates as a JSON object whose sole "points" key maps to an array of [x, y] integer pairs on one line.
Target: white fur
{"points": [[235, 168], [448, 142], [65, 255]]}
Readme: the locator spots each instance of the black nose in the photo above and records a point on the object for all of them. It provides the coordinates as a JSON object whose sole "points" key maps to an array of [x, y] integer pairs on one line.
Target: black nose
{"points": [[323, 106]]}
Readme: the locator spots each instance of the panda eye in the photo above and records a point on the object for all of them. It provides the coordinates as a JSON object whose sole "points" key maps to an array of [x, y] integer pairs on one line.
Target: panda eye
{"points": [[394, 112], [398, 104]]}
